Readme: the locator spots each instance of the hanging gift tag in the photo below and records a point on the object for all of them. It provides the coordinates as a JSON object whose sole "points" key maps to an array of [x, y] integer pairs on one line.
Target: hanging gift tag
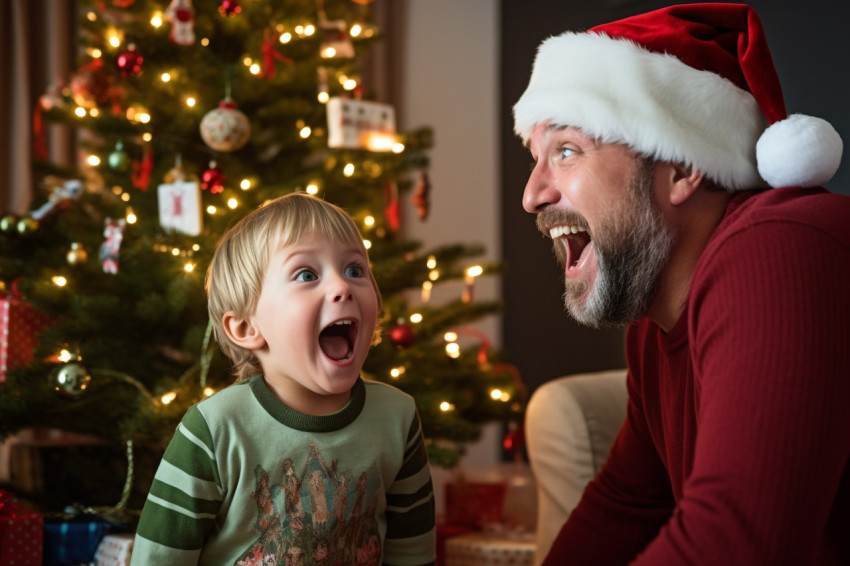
{"points": [[358, 124], [180, 207]]}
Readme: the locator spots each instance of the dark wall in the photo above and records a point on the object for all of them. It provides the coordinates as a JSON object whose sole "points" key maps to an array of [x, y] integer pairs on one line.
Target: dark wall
{"points": [[812, 56]]}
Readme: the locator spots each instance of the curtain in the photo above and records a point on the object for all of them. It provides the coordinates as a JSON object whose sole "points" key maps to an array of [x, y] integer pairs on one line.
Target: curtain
{"points": [[36, 50]]}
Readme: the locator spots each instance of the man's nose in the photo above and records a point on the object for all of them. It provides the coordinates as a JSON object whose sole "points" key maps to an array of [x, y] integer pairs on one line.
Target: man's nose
{"points": [[539, 191]]}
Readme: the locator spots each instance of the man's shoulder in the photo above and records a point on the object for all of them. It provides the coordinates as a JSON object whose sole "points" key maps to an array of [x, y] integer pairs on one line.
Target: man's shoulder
{"points": [[816, 208]]}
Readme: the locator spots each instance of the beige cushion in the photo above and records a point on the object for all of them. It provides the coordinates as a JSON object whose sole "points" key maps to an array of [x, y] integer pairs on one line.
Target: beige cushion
{"points": [[571, 423]]}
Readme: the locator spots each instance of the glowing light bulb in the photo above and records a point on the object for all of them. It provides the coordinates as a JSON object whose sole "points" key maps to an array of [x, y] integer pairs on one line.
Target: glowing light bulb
{"points": [[156, 19], [445, 406], [312, 189], [168, 398], [245, 184], [80, 111], [367, 244], [93, 160], [285, 37], [323, 97], [59, 280], [190, 101], [453, 350], [305, 132], [232, 203], [369, 221], [348, 170], [450, 336], [416, 318], [355, 30], [165, 77], [431, 263], [188, 267]]}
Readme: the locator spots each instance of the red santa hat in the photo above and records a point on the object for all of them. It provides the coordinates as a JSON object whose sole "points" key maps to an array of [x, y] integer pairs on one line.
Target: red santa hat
{"points": [[692, 84]]}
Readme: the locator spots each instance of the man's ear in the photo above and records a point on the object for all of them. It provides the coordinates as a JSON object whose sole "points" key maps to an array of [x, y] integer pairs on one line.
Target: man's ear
{"points": [[685, 181], [242, 331]]}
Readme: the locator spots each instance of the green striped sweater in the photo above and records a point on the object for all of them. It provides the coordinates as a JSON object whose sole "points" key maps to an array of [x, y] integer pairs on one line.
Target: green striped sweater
{"points": [[248, 481]]}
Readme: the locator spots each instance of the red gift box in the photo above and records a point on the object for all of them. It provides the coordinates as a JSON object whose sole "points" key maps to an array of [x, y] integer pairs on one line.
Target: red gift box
{"points": [[21, 532], [475, 504], [20, 326]]}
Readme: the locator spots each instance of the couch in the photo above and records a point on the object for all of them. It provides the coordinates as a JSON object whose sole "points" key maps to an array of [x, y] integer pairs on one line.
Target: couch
{"points": [[570, 424]]}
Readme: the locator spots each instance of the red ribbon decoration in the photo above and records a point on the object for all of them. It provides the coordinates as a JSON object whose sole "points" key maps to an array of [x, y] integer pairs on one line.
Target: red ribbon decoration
{"points": [[39, 134], [270, 55], [142, 170]]}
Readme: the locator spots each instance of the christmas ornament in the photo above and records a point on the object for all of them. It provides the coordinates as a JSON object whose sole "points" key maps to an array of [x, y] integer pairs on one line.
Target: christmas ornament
{"points": [[402, 336], [70, 380], [77, 255], [391, 206], [129, 62], [421, 198], [60, 196], [358, 124], [270, 55], [114, 233], [180, 207], [118, 160], [27, 225], [141, 174], [90, 85], [212, 179], [335, 40], [182, 22], [229, 8], [8, 224], [225, 128]]}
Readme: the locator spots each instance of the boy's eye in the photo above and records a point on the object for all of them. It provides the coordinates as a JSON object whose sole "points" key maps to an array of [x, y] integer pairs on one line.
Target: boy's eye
{"points": [[305, 275], [354, 271]]}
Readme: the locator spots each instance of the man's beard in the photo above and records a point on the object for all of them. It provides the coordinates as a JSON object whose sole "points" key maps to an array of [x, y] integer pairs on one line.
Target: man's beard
{"points": [[632, 245]]}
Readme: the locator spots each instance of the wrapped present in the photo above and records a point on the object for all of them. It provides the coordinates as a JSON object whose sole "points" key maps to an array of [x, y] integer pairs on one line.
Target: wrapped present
{"points": [[20, 326], [490, 549], [73, 540], [20, 533], [475, 504], [114, 550]]}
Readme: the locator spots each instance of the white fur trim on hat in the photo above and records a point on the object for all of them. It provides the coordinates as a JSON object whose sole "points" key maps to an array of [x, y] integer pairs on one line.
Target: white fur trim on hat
{"points": [[800, 151], [618, 91]]}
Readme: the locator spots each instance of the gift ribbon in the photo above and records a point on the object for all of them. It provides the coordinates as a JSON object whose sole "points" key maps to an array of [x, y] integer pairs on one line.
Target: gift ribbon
{"points": [[8, 507]]}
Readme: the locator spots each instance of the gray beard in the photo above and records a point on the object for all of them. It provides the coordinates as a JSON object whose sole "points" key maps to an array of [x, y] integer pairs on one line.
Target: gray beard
{"points": [[632, 245]]}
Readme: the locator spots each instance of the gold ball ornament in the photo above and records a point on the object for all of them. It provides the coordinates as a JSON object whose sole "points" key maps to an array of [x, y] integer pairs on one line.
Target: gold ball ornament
{"points": [[70, 380], [27, 225], [77, 254], [9, 224]]}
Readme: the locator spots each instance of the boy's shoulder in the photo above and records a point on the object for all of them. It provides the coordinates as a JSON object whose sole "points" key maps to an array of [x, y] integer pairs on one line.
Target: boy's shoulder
{"points": [[385, 391]]}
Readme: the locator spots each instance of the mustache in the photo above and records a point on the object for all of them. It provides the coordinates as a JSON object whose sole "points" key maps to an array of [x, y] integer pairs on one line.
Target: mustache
{"points": [[551, 217]]}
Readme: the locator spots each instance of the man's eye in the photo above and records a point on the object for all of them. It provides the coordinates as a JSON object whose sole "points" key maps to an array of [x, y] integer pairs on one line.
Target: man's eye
{"points": [[305, 275], [354, 271], [565, 152]]}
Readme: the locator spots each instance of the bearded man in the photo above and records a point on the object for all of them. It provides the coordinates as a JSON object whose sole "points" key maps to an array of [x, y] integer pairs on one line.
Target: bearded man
{"points": [[684, 202]]}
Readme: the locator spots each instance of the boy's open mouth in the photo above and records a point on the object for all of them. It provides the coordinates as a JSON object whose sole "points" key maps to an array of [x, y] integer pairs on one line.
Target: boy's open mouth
{"points": [[337, 340]]}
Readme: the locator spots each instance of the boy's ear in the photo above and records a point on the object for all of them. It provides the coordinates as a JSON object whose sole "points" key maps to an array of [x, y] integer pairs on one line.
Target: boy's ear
{"points": [[242, 331]]}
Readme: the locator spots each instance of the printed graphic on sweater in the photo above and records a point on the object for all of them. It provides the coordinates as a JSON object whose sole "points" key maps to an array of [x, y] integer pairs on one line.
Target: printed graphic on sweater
{"points": [[319, 515]]}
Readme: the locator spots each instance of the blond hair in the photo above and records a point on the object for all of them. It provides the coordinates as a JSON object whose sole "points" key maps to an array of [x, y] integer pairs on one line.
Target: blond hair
{"points": [[234, 279]]}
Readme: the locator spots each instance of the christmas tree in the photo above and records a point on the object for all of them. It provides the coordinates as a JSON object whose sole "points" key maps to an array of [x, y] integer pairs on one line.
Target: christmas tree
{"points": [[189, 114]]}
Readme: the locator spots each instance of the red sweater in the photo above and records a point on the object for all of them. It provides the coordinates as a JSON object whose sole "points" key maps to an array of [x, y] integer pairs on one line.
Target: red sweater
{"points": [[736, 443]]}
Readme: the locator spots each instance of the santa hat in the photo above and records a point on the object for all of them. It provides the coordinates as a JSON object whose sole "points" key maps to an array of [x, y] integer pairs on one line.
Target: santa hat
{"points": [[692, 84]]}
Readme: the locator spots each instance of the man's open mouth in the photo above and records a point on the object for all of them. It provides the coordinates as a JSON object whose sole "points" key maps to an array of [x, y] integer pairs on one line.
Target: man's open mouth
{"points": [[337, 339], [575, 240]]}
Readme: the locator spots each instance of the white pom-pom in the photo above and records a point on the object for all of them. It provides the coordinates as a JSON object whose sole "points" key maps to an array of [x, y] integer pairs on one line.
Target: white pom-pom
{"points": [[800, 151]]}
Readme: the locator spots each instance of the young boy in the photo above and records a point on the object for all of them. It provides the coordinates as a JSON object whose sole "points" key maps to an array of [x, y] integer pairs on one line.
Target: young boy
{"points": [[300, 461]]}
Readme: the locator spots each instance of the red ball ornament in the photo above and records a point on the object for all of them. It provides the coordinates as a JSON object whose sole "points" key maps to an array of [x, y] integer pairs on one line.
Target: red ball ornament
{"points": [[402, 336], [213, 179], [129, 62], [229, 8]]}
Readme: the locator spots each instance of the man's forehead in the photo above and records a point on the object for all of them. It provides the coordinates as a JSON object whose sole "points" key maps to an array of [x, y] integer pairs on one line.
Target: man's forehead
{"points": [[543, 132]]}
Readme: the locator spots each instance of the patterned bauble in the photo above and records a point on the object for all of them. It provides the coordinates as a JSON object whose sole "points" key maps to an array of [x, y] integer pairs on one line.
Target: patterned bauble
{"points": [[212, 179], [225, 128], [402, 336], [129, 62], [70, 380]]}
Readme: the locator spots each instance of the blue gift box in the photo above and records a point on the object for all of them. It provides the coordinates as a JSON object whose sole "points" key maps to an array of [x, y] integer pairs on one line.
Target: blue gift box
{"points": [[75, 540]]}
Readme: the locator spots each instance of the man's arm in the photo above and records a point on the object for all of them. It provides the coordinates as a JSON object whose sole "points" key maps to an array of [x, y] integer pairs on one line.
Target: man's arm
{"points": [[770, 345]]}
